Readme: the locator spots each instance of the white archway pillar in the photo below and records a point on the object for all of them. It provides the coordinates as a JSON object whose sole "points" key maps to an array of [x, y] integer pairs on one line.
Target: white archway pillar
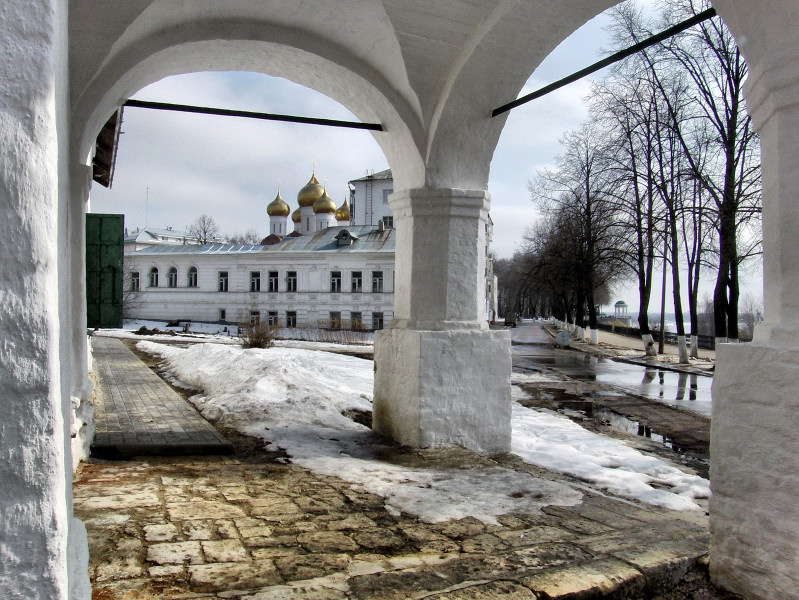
{"points": [[754, 470], [442, 377], [43, 548], [74, 280]]}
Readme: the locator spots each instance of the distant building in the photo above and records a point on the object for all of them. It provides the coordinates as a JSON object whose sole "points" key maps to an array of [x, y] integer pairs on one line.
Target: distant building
{"points": [[336, 277], [335, 269], [369, 199], [138, 239]]}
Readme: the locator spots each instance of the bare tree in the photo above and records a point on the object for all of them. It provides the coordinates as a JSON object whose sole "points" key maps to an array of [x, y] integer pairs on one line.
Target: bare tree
{"points": [[627, 105], [203, 230], [751, 311], [248, 237], [576, 195], [721, 147]]}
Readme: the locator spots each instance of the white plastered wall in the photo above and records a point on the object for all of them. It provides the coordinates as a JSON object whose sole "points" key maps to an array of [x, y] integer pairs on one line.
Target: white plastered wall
{"points": [[754, 448], [42, 548]]}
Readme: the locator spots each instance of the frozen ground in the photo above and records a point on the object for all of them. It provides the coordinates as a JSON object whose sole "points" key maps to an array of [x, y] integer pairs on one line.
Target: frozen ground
{"points": [[306, 402], [227, 334]]}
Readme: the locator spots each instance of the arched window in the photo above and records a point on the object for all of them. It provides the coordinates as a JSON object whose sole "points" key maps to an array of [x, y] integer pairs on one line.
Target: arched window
{"points": [[172, 278], [154, 277], [192, 277]]}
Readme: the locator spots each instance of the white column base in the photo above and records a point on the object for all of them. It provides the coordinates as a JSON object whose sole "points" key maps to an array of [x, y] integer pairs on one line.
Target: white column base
{"points": [[444, 388], [754, 472]]}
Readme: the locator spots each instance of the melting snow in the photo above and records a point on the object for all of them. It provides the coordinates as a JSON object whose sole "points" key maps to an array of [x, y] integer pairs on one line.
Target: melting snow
{"points": [[295, 398]]}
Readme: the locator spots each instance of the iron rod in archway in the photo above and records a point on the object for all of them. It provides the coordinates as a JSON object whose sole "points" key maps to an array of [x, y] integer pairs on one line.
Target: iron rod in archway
{"points": [[203, 110], [613, 58]]}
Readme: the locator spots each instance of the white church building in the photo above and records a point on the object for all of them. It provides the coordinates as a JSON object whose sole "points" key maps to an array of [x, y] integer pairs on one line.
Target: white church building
{"points": [[335, 270]]}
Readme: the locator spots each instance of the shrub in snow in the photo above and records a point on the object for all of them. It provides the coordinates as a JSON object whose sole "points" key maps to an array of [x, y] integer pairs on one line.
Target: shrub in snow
{"points": [[257, 335]]}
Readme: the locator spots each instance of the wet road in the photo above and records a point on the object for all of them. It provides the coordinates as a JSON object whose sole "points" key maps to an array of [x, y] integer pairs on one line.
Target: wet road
{"points": [[533, 349]]}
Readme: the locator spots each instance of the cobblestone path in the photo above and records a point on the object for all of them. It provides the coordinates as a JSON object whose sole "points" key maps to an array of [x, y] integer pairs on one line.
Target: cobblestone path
{"points": [[225, 527]]}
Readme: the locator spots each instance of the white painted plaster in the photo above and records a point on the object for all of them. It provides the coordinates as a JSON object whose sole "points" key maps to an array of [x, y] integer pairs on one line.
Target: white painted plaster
{"points": [[35, 466], [754, 473], [444, 388], [441, 377], [73, 278], [312, 302], [279, 225], [440, 282]]}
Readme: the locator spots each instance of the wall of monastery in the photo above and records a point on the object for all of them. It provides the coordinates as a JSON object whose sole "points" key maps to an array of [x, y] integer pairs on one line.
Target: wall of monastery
{"points": [[312, 302]]}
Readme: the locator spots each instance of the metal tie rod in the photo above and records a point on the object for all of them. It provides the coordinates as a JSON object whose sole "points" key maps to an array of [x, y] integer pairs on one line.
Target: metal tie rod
{"points": [[203, 110], [613, 58]]}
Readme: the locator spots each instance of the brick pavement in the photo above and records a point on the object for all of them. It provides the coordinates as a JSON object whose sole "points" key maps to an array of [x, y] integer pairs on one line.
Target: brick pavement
{"points": [[240, 528], [137, 413]]}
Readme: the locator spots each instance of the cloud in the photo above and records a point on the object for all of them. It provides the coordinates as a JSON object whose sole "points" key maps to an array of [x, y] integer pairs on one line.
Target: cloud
{"points": [[229, 168]]}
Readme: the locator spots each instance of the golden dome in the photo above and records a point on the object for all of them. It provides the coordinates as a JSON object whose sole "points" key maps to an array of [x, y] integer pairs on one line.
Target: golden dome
{"points": [[296, 217], [343, 213], [278, 207], [311, 192], [325, 204]]}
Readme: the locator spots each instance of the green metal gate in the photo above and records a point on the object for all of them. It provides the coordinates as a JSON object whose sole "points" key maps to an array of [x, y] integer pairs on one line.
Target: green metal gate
{"points": [[104, 252]]}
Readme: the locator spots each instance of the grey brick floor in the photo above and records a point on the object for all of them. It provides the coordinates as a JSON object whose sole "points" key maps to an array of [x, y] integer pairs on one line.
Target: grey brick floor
{"points": [[137, 414]]}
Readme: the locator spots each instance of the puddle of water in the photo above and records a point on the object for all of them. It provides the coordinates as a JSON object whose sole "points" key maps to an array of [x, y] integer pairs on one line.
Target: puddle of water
{"points": [[684, 390]]}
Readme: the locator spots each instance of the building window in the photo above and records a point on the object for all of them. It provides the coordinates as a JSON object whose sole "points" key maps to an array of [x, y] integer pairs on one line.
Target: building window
{"points": [[335, 319], [154, 277], [273, 281], [291, 318], [356, 320], [335, 281], [388, 222], [377, 321], [255, 281], [271, 318], [386, 194], [172, 277], [255, 317], [357, 281], [134, 281], [377, 282], [223, 281], [192, 279], [291, 281], [222, 314]]}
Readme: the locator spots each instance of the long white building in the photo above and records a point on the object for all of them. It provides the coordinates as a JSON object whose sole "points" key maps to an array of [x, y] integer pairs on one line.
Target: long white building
{"points": [[338, 276]]}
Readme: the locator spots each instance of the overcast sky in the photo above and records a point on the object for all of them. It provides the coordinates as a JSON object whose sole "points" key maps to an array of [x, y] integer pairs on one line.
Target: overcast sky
{"points": [[172, 167]]}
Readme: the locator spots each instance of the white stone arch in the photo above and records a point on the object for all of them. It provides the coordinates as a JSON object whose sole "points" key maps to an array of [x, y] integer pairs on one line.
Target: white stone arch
{"points": [[239, 45]]}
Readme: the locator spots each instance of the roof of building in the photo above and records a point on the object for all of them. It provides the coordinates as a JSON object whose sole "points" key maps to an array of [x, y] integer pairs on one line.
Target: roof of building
{"points": [[380, 175], [153, 234], [366, 238]]}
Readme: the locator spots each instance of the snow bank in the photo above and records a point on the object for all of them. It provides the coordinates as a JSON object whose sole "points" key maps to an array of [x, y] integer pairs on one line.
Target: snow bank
{"points": [[296, 399]]}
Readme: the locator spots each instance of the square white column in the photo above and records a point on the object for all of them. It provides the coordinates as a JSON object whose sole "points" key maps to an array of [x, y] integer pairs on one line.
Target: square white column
{"points": [[754, 468], [442, 378]]}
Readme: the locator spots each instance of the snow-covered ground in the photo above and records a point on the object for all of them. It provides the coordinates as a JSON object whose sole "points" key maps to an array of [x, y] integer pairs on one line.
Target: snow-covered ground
{"points": [[228, 334], [299, 400]]}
